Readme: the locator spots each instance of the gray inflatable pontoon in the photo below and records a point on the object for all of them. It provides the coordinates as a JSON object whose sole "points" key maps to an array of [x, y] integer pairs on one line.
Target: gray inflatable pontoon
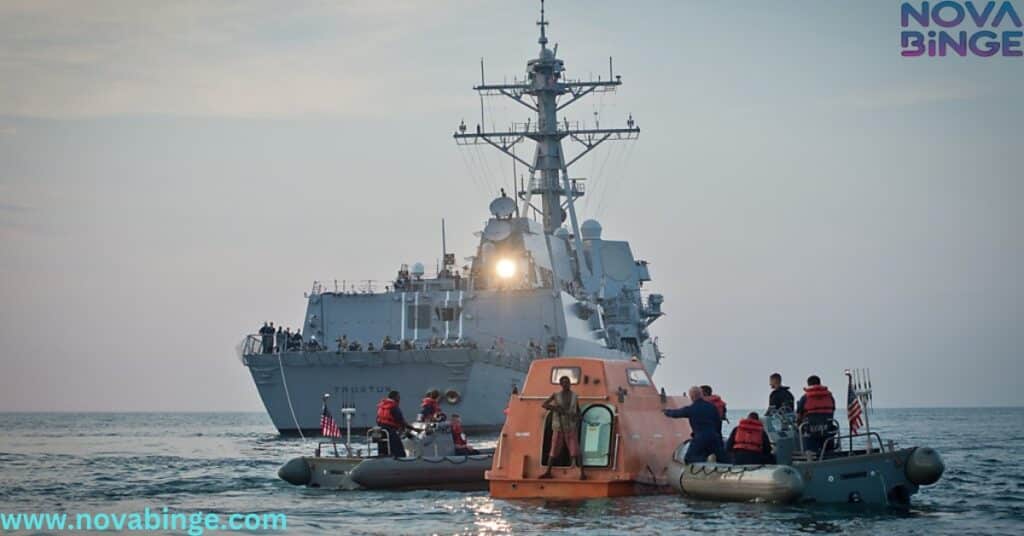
{"points": [[879, 474], [432, 464]]}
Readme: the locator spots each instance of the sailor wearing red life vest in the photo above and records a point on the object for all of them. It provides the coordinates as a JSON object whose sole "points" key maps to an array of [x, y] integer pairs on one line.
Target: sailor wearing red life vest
{"points": [[390, 418], [716, 401], [459, 437], [430, 408], [749, 443], [816, 409]]}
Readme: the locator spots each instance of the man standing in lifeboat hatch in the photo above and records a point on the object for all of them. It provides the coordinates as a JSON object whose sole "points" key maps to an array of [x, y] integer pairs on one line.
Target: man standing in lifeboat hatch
{"points": [[705, 425], [565, 425]]}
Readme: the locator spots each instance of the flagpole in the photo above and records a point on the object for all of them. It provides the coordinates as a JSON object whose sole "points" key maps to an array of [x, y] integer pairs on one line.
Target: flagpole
{"points": [[334, 440], [849, 385]]}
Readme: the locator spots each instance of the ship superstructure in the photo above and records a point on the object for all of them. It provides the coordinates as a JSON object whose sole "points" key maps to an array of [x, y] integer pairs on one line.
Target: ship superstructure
{"points": [[539, 285]]}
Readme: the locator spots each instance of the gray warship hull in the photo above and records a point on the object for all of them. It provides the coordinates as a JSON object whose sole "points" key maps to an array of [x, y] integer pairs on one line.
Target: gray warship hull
{"points": [[483, 379], [361, 379]]}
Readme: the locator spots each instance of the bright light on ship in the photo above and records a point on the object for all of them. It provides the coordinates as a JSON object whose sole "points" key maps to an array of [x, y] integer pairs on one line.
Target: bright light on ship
{"points": [[506, 268]]}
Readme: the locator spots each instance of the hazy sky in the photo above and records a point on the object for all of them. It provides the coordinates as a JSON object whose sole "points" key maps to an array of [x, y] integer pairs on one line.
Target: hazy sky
{"points": [[173, 175]]}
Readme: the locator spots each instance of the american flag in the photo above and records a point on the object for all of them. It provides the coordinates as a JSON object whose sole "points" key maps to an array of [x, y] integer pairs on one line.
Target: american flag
{"points": [[328, 428], [853, 409]]}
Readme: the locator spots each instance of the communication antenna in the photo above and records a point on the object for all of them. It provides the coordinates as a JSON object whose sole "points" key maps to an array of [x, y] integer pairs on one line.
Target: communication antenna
{"points": [[546, 93]]}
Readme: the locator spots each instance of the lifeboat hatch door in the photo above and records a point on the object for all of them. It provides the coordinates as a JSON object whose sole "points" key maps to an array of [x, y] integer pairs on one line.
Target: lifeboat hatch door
{"points": [[563, 459], [596, 436]]}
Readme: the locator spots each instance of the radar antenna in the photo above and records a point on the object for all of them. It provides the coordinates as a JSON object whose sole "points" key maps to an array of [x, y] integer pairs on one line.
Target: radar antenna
{"points": [[541, 92]]}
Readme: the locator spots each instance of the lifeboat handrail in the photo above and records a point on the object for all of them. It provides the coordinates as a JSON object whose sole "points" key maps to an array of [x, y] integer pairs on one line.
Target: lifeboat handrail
{"points": [[615, 457]]}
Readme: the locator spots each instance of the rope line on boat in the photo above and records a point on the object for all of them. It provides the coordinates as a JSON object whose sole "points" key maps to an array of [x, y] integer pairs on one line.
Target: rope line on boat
{"points": [[445, 459], [731, 469], [287, 396]]}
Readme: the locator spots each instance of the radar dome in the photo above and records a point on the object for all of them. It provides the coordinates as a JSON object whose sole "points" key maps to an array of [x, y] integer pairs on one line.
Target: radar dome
{"points": [[562, 233], [503, 207], [417, 269], [591, 230]]}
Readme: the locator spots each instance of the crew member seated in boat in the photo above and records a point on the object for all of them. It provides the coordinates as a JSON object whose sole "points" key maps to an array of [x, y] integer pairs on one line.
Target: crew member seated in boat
{"points": [[780, 400], [749, 444], [716, 401], [564, 407], [704, 424], [390, 418], [430, 408], [459, 437], [815, 411]]}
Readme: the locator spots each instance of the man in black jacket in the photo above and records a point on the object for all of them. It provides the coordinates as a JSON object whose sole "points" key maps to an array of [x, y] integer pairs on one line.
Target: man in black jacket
{"points": [[781, 400]]}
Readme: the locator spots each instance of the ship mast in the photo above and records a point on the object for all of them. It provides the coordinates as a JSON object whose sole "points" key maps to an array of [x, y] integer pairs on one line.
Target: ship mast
{"points": [[549, 171]]}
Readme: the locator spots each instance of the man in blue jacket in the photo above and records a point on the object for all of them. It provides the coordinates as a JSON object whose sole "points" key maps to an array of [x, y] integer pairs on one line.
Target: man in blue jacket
{"points": [[704, 423]]}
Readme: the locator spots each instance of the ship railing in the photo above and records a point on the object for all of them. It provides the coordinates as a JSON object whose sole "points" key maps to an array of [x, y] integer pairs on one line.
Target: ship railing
{"points": [[429, 281], [834, 442], [338, 449], [837, 440], [800, 434], [252, 344]]}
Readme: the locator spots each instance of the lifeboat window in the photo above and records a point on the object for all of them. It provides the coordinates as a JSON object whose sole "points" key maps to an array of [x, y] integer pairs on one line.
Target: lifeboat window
{"points": [[596, 436], [572, 372], [637, 377]]}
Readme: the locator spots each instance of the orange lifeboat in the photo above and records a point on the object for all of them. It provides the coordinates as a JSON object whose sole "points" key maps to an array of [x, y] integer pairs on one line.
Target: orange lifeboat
{"points": [[625, 441]]}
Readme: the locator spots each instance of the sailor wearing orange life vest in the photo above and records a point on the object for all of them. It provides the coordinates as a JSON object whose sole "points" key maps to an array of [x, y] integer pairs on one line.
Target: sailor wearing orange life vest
{"points": [[390, 418], [716, 401], [817, 409], [459, 437], [430, 408], [749, 443], [704, 424]]}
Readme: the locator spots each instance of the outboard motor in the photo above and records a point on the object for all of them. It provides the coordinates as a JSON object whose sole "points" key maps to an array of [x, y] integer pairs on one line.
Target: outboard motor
{"points": [[781, 429]]}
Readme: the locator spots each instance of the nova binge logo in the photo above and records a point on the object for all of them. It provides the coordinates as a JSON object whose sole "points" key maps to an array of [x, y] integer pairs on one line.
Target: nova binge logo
{"points": [[987, 29]]}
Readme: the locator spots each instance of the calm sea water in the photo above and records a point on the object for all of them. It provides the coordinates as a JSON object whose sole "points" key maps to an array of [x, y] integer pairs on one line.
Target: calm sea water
{"points": [[227, 463]]}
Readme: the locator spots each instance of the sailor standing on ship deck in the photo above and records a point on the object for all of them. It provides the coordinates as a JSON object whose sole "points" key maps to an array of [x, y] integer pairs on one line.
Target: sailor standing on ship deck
{"points": [[266, 338]]}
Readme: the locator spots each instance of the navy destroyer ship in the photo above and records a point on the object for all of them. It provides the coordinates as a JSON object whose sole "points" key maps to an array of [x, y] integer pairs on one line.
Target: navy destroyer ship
{"points": [[540, 284]]}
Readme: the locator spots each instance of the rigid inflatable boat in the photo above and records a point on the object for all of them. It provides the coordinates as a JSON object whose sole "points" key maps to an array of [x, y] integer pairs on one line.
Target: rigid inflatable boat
{"points": [[854, 468], [432, 464]]}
